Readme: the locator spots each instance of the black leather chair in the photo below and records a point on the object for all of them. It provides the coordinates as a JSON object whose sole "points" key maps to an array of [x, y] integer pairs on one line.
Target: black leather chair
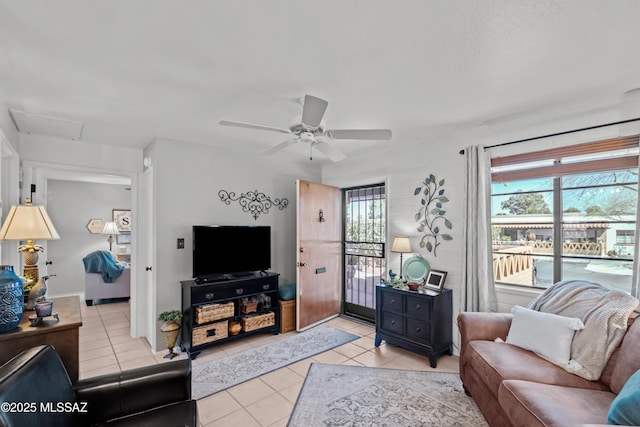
{"points": [[35, 390]]}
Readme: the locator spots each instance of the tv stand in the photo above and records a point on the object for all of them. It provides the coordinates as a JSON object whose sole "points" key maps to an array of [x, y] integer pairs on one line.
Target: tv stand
{"points": [[222, 311], [243, 274]]}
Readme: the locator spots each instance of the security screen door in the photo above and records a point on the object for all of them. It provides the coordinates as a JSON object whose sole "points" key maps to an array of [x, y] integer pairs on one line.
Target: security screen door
{"points": [[364, 234]]}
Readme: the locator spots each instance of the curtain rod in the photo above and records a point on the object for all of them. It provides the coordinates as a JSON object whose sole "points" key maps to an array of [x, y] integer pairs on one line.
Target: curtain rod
{"points": [[560, 133]]}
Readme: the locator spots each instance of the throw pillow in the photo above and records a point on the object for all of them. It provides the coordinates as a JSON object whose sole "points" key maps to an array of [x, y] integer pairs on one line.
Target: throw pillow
{"points": [[625, 408], [546, 334]]}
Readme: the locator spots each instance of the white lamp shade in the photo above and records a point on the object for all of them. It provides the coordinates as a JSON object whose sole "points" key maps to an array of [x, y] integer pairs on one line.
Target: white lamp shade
{"points": [[110, 227], [28, 222], [401, 244]]}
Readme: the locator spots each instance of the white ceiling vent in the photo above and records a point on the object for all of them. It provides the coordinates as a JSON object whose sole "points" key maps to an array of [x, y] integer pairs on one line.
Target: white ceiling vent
{"points": [[46, 125]]}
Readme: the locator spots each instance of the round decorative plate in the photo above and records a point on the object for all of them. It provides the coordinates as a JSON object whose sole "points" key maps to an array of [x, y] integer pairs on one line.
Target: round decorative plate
{"points": [[415, 269]]}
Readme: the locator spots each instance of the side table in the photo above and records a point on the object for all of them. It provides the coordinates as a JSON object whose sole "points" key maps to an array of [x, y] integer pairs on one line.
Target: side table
{"points": [[62, 334], [417, 321]]}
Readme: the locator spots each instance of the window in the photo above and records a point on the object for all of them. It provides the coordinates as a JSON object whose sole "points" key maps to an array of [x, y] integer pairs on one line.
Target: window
{"points": [[625, 237], [584, 197]]}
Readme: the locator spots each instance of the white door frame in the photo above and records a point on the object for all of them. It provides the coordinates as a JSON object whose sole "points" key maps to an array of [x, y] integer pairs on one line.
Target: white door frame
{"points": [[9, 194]]}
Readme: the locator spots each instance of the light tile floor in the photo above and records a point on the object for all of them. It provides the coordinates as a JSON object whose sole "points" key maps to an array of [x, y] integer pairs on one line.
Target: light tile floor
{"points": [[266, 401]]}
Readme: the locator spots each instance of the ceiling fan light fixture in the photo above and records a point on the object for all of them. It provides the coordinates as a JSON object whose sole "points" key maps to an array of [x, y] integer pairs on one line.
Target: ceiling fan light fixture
{"points": [[307, 137], [309, 127]]}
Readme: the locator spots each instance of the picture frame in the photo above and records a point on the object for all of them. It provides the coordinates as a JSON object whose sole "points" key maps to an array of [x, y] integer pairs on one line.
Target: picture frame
{"points": [[123, 239], [435, 280], [122, 218]]}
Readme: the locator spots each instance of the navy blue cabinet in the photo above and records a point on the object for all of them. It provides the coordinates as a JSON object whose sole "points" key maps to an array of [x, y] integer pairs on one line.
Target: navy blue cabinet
{"points": [[419, 322]]}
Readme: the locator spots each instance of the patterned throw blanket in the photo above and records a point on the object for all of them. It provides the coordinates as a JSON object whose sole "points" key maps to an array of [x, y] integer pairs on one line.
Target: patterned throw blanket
{"points": [[604, 313]]}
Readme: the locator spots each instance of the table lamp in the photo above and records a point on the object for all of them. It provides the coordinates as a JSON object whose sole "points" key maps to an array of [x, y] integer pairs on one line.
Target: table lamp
{"points": [[110, 228], [28, 222], [401, 244]]}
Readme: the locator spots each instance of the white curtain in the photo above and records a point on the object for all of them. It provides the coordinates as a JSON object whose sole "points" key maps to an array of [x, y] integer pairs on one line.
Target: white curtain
{"points": [[635, 279], [478, 290]]}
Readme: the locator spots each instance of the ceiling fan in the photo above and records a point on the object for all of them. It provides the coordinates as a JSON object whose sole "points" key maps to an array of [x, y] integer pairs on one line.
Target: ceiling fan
{"points": [[310, 128]]}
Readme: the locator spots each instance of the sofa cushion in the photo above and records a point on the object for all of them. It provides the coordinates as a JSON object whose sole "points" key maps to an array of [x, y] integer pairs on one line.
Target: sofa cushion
{"points": [[175, 414], [547, 334], [532, 404], [34, 377], [498, 361], [625, 409], [628, 358]]}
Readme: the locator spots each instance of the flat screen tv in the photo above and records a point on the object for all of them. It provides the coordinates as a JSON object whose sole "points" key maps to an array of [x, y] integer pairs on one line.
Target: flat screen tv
{"points": [[220, 250]]}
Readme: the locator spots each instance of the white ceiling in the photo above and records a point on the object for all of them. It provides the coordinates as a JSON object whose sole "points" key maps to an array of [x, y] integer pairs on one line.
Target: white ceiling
{"points": [[132, 70]]}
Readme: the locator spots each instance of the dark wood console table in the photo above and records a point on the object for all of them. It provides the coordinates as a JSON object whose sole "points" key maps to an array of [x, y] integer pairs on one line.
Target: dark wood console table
{"points": [[62, 334]]}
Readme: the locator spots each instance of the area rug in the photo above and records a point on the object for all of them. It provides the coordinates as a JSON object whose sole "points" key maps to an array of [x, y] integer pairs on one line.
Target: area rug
{"points": [[341, 395], [217, 375]]}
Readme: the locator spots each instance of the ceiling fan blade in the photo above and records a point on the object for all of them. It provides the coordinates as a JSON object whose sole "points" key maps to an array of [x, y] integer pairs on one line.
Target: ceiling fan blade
{"points": [[376, 134], [329, 150], [280, 146], [313, 110], [252, 126]]}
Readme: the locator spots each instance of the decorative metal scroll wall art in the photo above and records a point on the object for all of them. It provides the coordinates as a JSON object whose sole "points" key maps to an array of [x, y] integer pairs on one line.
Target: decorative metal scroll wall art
{"points": [[254, 202], [430, 216]]}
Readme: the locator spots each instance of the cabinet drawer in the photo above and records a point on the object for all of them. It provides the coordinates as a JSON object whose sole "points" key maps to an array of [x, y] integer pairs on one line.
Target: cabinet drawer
{"points": [[418, 330], [255, 287], [209, 293], [391, 301], [392, 322], [418, 308]]}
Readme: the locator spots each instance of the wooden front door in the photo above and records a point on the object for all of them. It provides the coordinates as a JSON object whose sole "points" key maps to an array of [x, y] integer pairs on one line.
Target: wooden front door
{"points": [[318, 253]]}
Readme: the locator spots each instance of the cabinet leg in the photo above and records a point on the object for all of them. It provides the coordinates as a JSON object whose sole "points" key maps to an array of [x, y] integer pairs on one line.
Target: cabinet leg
{"points": [[433, 361], [193, 354], [378, 340]]}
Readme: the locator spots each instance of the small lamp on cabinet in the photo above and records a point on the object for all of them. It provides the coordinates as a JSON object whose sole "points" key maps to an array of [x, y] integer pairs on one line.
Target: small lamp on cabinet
{"points": [[402, 245]]}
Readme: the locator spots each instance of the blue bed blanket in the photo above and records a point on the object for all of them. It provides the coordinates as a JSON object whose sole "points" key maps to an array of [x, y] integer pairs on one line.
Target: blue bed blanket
{"points": [[103, 263]]}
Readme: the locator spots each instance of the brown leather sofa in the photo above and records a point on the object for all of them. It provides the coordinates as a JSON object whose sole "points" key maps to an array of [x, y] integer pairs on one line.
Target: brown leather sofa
{"points": [[515, 387], [35, 390]]}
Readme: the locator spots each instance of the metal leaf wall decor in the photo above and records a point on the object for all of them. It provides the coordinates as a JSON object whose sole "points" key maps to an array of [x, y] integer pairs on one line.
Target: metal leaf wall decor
{"points": [[254, 202], [430, 216]]}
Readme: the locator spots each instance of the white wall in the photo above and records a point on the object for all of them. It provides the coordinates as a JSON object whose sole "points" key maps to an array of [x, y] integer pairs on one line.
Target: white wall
{"points": [[187, 178], [403, 170], [71, 205], [96, 157]]}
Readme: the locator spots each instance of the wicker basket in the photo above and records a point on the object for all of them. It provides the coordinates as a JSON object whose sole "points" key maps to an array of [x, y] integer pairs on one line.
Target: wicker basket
{"points": [[210, 312], [287, 316], [210, 333], [251, 323], [250, 307]]}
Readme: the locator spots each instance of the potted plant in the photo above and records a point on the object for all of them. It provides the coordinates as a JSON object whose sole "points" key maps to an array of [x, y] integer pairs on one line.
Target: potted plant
{"points": [[170, 328]]}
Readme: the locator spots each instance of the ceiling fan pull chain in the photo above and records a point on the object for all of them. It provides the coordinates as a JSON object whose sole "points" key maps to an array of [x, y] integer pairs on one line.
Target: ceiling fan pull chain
{"points": [[310, 151]]}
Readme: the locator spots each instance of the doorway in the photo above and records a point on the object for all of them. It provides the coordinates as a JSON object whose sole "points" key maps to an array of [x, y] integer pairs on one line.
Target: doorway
{"points": [[365, 225], [39, 173]]}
